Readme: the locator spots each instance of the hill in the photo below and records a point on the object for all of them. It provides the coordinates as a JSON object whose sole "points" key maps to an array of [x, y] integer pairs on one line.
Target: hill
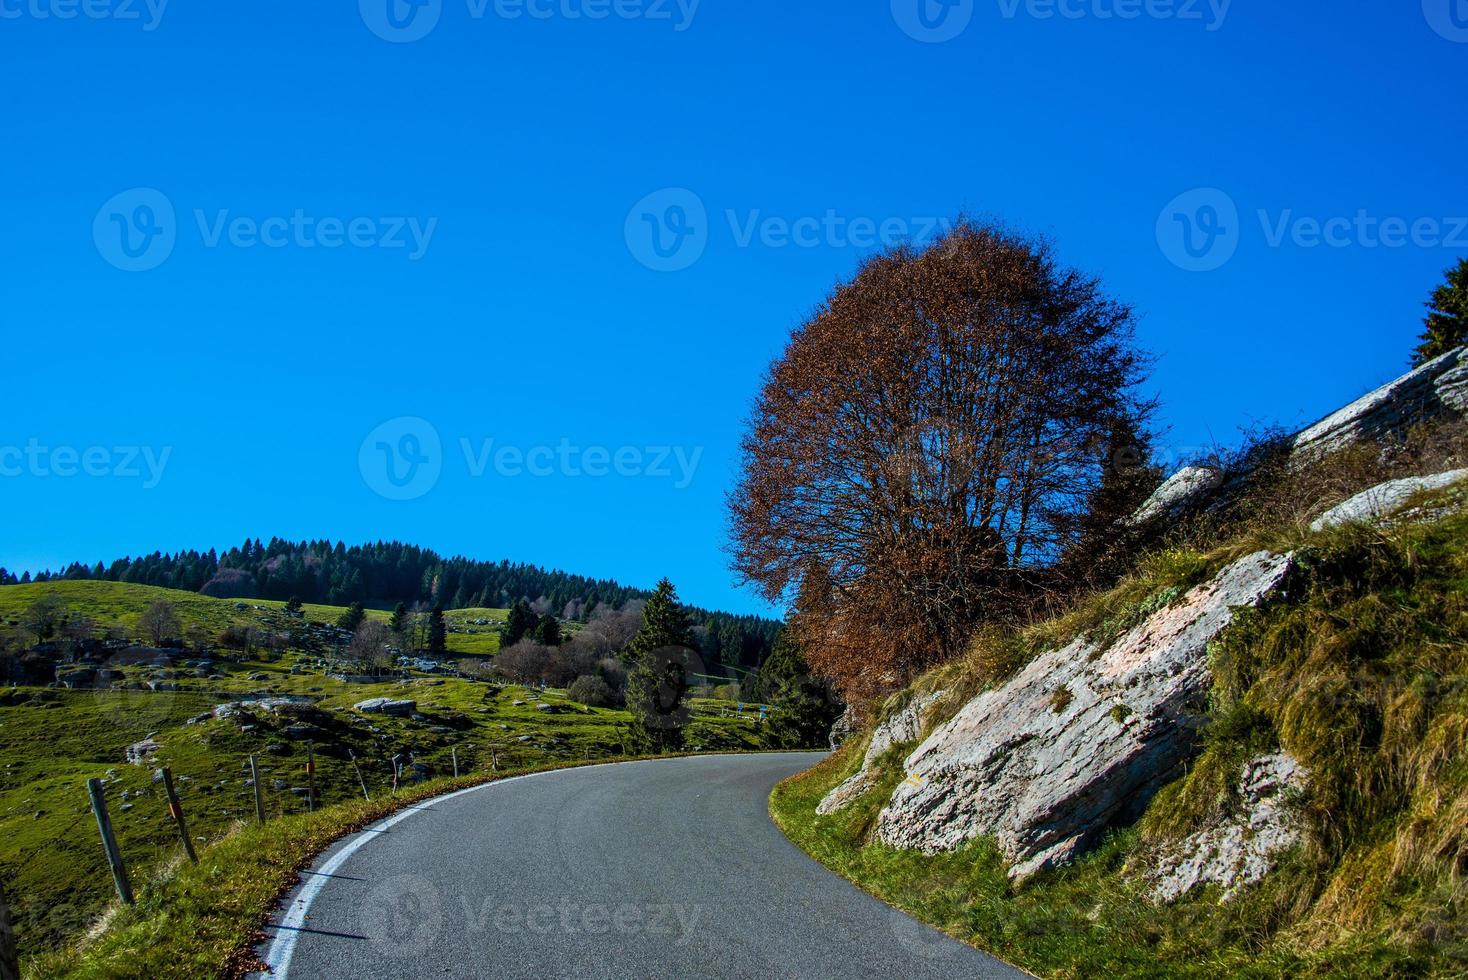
{"points": [[383, 574]]}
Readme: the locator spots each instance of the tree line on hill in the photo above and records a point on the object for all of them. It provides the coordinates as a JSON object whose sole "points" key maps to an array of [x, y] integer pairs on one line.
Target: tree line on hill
{"points": [[385, 574], [644, 656], [330, 573]]}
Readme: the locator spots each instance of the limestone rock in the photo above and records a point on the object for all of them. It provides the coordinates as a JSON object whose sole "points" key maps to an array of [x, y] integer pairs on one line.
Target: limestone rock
{"points": [[290, 707], [1240, 849], [139, 752], [1384, 499], [1179, 493], [844, 728], [387, 706], [1437, 388], [1078, 740], [902, 726]]}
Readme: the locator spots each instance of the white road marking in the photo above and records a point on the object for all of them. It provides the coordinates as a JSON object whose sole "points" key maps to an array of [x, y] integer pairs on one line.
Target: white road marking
{"points": [[283, 947]]}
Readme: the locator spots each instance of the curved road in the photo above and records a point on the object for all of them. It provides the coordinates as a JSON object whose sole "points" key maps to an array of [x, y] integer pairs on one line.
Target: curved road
{"points": [[646, 869]]}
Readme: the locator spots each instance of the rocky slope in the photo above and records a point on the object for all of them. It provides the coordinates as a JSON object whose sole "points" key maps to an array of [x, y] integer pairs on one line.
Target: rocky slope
{"points": [[1435, 390], [1079, 739], [1238, 850]]}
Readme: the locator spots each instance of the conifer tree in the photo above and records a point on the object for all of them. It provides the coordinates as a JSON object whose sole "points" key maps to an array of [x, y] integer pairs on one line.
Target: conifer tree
{"points": [[548, 631], [1103, 543], [665, 623], [804, 708], [1447, 317], [438, 632], [521, 622], [657, 684], [352, 618]]}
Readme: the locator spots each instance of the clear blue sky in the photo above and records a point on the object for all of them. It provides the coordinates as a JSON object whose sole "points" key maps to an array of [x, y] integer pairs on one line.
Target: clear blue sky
{"points": [[539, 310]]}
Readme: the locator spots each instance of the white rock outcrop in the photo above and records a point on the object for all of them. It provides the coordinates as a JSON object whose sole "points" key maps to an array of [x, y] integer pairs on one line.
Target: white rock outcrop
{"points": [[1436, 388], [1240, 849], [387, 706], [844, 728], [1179, 493], [140, 752], [901, 726], [1078, 740], [1385, 499]]}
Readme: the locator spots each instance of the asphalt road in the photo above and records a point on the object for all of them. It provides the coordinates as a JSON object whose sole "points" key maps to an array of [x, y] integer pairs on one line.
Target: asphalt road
{"points": [[648, 869]]}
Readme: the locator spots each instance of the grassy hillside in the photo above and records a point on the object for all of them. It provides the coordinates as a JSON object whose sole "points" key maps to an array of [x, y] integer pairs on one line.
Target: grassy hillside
{"points": [[117, 604], [52, 741], [1357, 670]]}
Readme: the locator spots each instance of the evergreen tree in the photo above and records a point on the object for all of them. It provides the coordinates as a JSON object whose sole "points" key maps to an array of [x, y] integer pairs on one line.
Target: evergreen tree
{"points": [[352, 618], [665, 623], [1447, 317], [657, 684], [438, 632], [399, 622], [521, 622], [804, 708], [293, 604], [657, 697], [1103, 544], [548, 631]]}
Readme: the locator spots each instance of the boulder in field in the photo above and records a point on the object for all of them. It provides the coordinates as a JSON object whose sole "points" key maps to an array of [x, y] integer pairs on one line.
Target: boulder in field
{"points": [[387, 706], [139, 752], [1438, 390], [844, 727]]}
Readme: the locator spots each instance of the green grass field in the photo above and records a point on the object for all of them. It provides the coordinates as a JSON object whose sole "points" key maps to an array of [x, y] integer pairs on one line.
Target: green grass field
{"points": [[117, 604], [53, 741]]}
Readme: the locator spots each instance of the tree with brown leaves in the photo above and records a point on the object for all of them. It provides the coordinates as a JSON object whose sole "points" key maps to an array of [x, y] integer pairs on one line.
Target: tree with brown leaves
{"points": [[917, 457]]}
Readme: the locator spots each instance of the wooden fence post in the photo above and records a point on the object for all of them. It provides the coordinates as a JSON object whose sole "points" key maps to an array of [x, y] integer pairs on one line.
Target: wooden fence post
{"points": [[397, 771], [311, 777], [109, 841], [175, 810], [9, 961], [360, 780], [259, 800]]}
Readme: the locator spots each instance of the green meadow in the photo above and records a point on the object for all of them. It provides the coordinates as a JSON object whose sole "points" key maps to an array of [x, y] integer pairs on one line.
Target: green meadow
{"points": [[53, 740]]}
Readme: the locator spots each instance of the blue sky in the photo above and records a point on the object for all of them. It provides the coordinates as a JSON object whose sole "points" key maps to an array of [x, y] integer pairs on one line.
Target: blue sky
{"points": [[335, 229]]}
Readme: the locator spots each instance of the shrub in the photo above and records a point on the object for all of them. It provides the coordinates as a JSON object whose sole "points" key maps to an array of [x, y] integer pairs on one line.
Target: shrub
{"points": [[591, 690]]}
